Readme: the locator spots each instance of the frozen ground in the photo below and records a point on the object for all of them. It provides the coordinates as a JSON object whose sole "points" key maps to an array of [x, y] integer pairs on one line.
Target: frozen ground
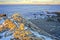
{"points": [[34, 33], [26, 10]]}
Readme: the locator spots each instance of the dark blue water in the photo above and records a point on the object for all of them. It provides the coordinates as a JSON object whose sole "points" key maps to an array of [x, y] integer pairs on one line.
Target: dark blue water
{"points": [[24, 9]]}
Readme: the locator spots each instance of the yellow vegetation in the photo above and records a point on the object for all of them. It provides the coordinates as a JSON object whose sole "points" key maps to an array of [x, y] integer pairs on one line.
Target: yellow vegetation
{"points": [[9, 24], [21, 26], [1, 28], [16, 34], [19, 32], [16, 17]]}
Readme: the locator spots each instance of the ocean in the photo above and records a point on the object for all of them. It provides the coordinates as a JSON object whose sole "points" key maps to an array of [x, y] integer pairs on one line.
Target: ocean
{"points": [[27, 8]]}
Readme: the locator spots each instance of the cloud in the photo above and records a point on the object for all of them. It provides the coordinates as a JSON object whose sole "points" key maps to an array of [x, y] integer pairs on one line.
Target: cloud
{"points": [[25, 0], [29, 1], [11, 0]]}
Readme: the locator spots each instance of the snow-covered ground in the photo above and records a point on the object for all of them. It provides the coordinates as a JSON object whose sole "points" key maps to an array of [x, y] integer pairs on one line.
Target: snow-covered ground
{"points": [[29, 16], [27, 12], [34, 33]]}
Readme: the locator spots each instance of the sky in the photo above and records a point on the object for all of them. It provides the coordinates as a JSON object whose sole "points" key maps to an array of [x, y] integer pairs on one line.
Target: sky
{"points": [[29, 1]]}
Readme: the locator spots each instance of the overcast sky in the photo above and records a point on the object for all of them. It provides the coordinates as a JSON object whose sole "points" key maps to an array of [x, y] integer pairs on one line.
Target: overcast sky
{"points": [[25, 0], [29, 1]]}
